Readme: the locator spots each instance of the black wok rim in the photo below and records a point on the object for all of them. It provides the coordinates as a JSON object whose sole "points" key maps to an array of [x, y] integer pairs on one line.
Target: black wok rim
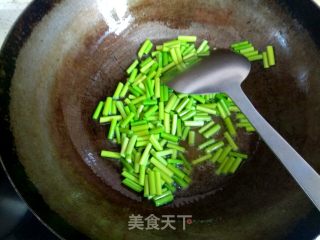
{"points": [[307, 13]]}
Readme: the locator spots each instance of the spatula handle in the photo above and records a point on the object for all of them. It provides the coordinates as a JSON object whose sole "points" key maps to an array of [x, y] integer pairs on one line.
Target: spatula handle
{"points": [[302, 172]]}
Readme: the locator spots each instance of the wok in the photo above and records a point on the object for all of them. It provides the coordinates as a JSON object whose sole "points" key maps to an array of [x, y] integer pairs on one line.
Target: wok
{"points": [[62, 57]]}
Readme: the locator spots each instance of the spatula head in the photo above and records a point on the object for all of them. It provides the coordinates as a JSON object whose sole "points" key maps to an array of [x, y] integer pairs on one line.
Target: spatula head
{"points": [[215, 73]]}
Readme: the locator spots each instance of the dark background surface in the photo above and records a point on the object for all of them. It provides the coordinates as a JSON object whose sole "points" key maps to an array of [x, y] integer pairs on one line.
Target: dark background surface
{"points": [[16, 221]]}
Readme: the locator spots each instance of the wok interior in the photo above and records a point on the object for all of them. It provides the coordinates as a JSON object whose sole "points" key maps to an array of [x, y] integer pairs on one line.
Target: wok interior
{"points": [[81, 63]]}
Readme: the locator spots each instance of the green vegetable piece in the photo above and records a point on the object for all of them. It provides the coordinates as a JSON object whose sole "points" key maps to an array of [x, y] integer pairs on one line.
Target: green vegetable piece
{"points": [[142, 133], [214, 147], [155, 143], [158, 183], [141, 127], [136, 162], [237, 44], [138, 100], [270, 54], [124, 90], [142, 143], [222, 165], [124, 146], [175, 161], [152, 183], [198, 98], [194, 123], [130, 176], [206, 127], [145, 46], [176, 104], [173, 98], [131, 145], [255, 58], [164, 193], [109, 154], [146, 186], [150, 102], [227, 165], [224, 153], [164, 176], [179, 128], [151, 111], [161, 110], [131, 184], [112, 129], [168, 67], [182, 105], [246, 50], [206, 144], [138, 123], [212, 131], [202, 118], [202, 46], [187, 38], [118, 135], [207, 110], [265, 60], [165, 200], [145, 68], [216, 155], [118, 90], [180, 182], [185, 133], [110, 118], [127, 110], [230, 141], [201, 159], [191, 138], [166, 122], [190, 56], [176, 171], [235, 165], [238, 155], [142, 174], [98, 110], [121, 110], [188, 115], [133, 75], [176, 147], [165, 152], [132, 66], [224, 106], [169, 137], [127, 166], [126, 121], [157, 130], [250, 54], [241, 47], [174, 124], [189, 50], [221, 110], [161, 166], [146, 61], [230, 126], [148, 48], [107, 107], [145, 155]]}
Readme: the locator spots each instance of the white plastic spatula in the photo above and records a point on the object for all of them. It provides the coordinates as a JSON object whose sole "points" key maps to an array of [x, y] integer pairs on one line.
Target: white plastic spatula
{"points": [[224, 71]]}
